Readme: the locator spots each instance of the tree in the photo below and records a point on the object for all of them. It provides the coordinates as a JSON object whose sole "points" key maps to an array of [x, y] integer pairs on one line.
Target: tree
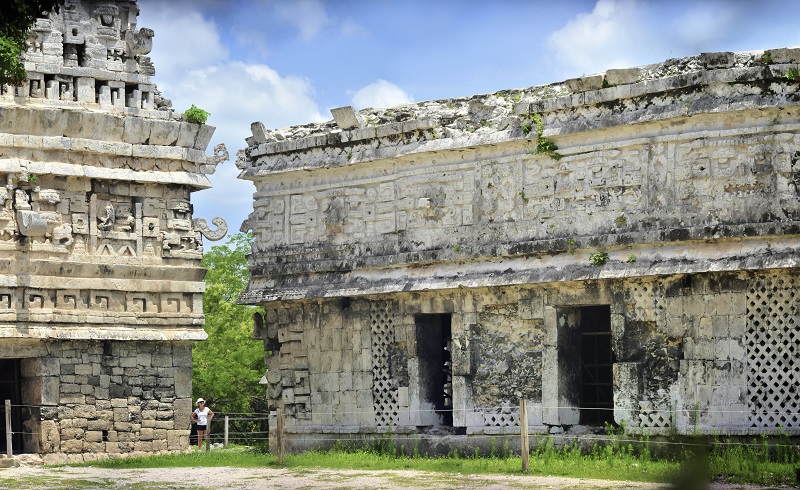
{"points": [[16, 19], [227, 367]]}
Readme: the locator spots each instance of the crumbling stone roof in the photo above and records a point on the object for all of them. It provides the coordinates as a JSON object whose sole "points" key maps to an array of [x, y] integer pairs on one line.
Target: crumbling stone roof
{"points": [[479, 118]]}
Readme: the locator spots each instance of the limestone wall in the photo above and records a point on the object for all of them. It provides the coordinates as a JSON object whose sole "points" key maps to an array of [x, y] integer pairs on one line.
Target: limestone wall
{"points": [[100, 279], [450, 186], [693, 354], [84, 400], [658, 201]]}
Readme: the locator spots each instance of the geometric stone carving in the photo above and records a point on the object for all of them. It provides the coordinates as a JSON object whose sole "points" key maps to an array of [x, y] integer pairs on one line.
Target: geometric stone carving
{"points": [[384, 386], [772, 341]]}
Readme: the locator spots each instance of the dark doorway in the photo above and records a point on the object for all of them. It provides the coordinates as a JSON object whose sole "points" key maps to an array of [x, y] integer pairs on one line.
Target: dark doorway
{"points": [[11, 389], [597, 359], [434, 344]]}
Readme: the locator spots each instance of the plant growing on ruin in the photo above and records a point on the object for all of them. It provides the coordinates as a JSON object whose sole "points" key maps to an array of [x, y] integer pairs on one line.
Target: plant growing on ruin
{"points": [[196, 115], [793, 74], [16, 19], [766, 58], [571, 245], [621, 220], [598, 258], [524, 199], [543, 145], [33, 180], [631, 259]]}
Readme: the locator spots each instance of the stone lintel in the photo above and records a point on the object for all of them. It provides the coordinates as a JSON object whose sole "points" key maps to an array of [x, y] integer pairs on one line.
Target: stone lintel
{"points": [[96, 332], [750, 254]]}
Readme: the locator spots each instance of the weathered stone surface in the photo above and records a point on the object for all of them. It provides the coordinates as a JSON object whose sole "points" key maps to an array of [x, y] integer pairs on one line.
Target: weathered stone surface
{"points": [[717, 60], [784, 55], [428, 279], [100, 278]]}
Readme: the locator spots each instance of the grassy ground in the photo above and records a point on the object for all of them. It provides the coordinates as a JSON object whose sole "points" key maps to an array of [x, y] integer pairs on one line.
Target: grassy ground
{"points": [[753, 463]]}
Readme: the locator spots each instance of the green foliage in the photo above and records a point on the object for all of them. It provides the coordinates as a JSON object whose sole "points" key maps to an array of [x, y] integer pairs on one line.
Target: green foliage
{"points": [[16, 19], [543, 145], [196, 115], [766, 58], [631, 259], [621, 220], [622, 457], [793, 74], [598, 258], [571, 245], [226, 368]]}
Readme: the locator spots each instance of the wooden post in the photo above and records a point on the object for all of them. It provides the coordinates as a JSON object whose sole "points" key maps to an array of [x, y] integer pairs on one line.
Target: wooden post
{"points": [[208, 435], [280, 437], [225, 441], [525, 449], [9, 450]]}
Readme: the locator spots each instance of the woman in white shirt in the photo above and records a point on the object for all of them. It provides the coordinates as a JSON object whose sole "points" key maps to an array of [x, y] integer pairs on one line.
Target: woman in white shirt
{"points": [[202, 415]]}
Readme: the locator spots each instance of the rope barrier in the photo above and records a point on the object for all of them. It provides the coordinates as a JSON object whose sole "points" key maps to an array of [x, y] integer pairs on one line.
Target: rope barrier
{"points": [[378, 434], [498, 410]]}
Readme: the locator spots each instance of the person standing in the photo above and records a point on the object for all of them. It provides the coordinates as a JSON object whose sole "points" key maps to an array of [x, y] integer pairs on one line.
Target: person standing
{"points": [[202, 415]]}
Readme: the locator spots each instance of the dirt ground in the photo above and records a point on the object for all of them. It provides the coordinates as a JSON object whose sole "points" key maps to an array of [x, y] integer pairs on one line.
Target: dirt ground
{"points": [[66, 477]]}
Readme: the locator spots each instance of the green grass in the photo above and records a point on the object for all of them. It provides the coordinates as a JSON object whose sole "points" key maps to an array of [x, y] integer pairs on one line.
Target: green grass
{"points": [[619, 460], [32, 482]]}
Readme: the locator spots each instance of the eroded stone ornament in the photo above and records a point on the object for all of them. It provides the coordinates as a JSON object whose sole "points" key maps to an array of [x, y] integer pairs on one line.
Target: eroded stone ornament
{"points": [[201, 225]]}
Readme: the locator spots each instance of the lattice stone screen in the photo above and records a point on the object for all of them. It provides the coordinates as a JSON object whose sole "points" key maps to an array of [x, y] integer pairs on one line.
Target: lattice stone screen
{"points": [[501, 417], [772, 341], [384, 386], [647, 303]]}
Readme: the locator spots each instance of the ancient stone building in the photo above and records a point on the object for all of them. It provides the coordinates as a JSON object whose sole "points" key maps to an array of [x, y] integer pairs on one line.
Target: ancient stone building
{"points": [[100, 282], [616, 248]]}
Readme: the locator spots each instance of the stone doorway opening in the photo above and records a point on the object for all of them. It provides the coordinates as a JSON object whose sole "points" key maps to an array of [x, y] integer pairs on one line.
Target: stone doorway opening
{"points": [[434, 346], [596, 366], [11, 389]]}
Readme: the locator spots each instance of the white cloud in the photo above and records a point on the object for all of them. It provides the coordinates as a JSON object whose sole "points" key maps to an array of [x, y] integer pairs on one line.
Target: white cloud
{"points": [[381, 94], [605, 38], [181, 50], [705, 22], [197, 69], [309, 16], [237, 94]]}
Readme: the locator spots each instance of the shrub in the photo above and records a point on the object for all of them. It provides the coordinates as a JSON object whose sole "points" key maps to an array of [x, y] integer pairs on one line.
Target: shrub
{"points": [[196, 115]]}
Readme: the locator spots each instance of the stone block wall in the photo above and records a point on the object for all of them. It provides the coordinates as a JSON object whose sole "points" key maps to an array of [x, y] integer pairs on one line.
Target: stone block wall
{"points": [[660, 200], [99, 247], [85, 400], [692, 353]]}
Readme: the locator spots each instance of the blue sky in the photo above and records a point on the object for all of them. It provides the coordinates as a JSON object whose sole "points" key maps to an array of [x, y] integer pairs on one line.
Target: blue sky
{"points": [[286, 62]]}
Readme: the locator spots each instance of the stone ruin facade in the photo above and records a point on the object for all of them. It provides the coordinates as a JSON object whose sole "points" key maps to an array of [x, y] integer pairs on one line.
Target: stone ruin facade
{"points": [[100, 279], [617, 248]]}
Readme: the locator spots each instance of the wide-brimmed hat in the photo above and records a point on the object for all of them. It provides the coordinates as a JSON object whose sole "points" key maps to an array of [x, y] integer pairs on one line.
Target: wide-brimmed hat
{"points": [[200, 400]]}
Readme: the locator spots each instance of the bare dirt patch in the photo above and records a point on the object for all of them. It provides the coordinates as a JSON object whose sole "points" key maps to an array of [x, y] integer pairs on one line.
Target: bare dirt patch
{"points": [[35, 477]]}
